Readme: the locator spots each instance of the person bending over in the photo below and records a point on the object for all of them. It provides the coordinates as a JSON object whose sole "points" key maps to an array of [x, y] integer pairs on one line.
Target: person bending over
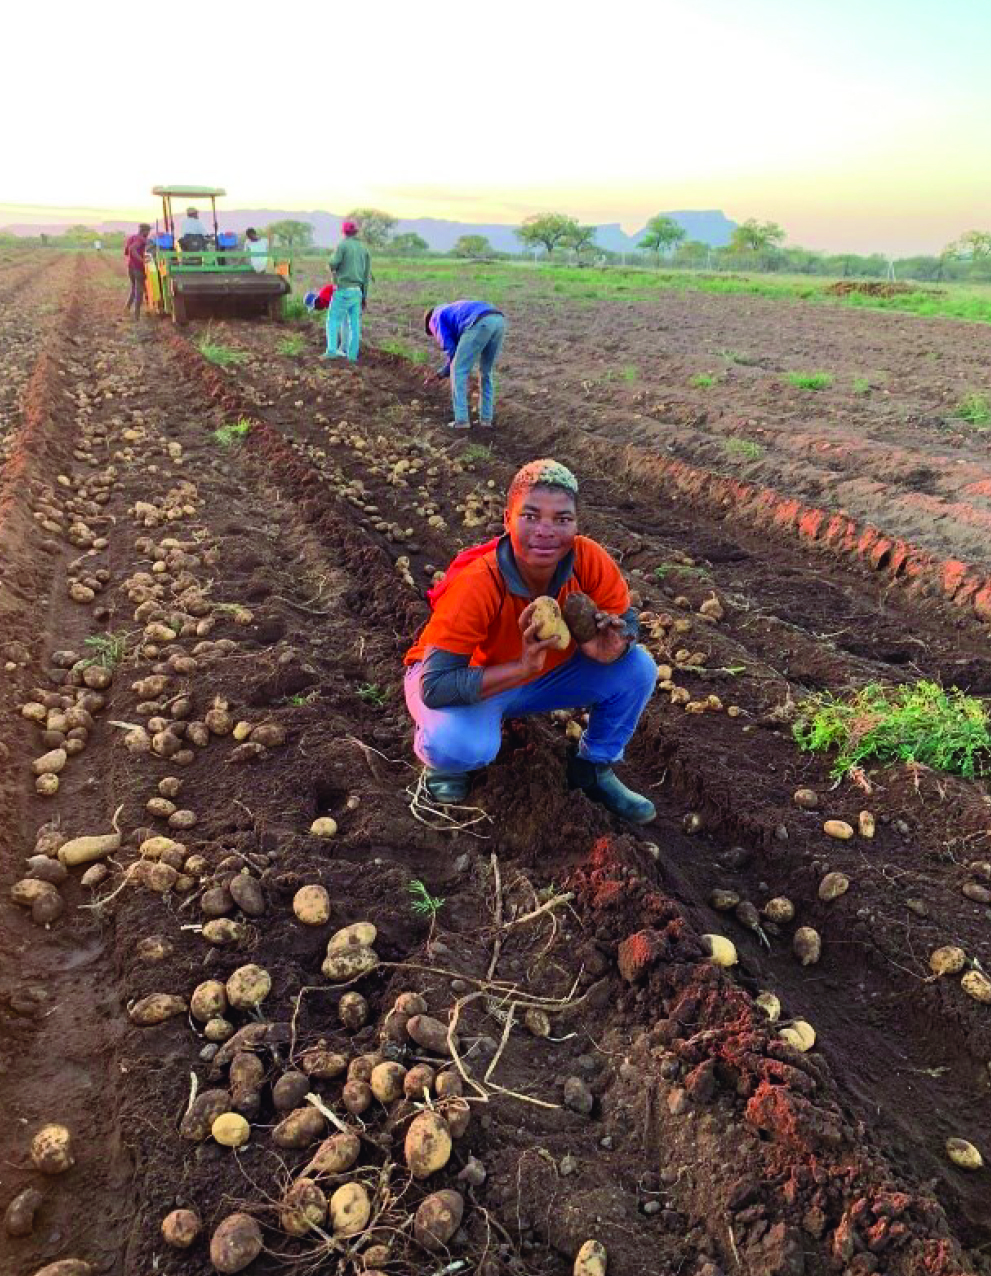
{"points": [[468, 332], [479, 658]]}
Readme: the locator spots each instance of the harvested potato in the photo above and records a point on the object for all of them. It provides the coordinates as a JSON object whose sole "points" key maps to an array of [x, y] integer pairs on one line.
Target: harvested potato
{"points": [[29, 889], [156, 1008], [722, 951], [361, 1067], [218, 1029], [204, 1110], [336, 1154], [323, 826], [290, 1091], [247, 893], [538, 1022], [387, 1082], [964, 1154], [838, 829], [51, 1149], [270, 734], [181, 1228], [350, 1209], [591, 1259], [248, 987], [352, 1011], [50, 763], [411, 1003], [420, 1078], [724, 900], [799, 1034], [780, 909], [221, 930], [357, 1097], [357, 935], [236, 1242], [457, 1114], [247, 1071], [311, 904], [448, 1084], [545, 614], [947, 960], [46, 785], [807, 945], [153, 848], [439, 1217], [209, 1000], [154, 948], [19, 1217], [428, 1144], [348, 964], [66, 1267], [322, 1063], [429, 1033], [977, 985], [299, 1129], [230, 1130], [770, 1005], [579, 614], [84, 850], [832, 886], [303, 1207], [216, 901], [865, 824]]}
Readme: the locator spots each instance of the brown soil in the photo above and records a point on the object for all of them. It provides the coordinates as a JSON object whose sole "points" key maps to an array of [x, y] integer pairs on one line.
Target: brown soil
{"points": [[711, 1145]]}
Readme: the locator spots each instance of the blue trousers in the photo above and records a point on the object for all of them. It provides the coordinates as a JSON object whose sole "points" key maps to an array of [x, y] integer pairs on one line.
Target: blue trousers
{"points": [[345, 305], [481, 343], [466, 737]]}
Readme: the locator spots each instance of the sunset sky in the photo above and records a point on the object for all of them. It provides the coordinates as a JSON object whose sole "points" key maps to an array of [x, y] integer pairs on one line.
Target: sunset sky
{"points": [[856, 124]]}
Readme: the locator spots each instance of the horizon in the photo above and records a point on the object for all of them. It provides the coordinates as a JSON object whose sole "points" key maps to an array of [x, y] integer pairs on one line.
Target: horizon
{"points": [[856, 130]]}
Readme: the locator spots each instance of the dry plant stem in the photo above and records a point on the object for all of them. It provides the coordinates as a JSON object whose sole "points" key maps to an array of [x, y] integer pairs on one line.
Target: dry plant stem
{"points": [[324, 1111], [497, 946], [564, 898]]}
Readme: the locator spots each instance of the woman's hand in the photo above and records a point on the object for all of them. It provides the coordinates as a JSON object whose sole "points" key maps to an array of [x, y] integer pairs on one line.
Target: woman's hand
{"points": [[610, 643]]}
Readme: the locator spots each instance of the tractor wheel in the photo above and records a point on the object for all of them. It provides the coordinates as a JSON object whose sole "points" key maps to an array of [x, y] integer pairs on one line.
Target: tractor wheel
{"points": [[179, 316]]}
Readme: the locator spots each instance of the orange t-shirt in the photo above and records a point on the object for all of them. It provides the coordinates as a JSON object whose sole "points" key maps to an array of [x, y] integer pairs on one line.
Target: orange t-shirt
{"points": [[477, 616]]}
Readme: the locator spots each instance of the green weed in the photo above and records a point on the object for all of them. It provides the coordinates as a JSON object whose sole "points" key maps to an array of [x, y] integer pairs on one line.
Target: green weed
{"points": [[737, 357], [294, 308], [228, 435], [923, 723], [810, 380], [223, 356], [372, 693], [392, 345], [423, 903], [974, 408], [477, 452], [108, 650], [294, 345], [861, 385], [704, 381], [743, 447], [301, 698], [680, 569]]}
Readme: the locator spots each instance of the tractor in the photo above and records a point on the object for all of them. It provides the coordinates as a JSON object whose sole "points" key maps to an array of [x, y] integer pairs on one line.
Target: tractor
{"points": [[200, 276]]}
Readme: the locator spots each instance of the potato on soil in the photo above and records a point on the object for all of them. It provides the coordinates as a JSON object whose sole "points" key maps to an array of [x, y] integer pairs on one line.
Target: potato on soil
{"points": [[357, 1097], [770, 1004], [722, 951], [206, 1107], [780, 909], [218, 1029], [799, 1034], [154, 948], [181, 1228], [51, 1149], [84, 850], [579, 614], [352, 1010], [947, 960], [270, 734], [546, 616], [209, 1000], [448, 1084], [832, 886], [156, 1008], [247, 1070], [724, 900], [311, 904], [153, 848], [290, 1091], [348, 964], [336, 1154], [419, 1078], [235, 1243], [221, 930], [350, 1209], [247, 894], [361, 1067], [19, 1218], [457, 1114], [50, 763], [807, 945], [964, 1154], [46, 785], [538, 1022], [230, 1130], [387, 1082], [303, 1207], [429, 1033], [591, 1259], [322, 1064], [248, 987], [357, 935], [324, 826], [838, 829], [428, 1144], [977, 985], [66, 1267], [439, 1217], [216, 901], [299, 1129]]}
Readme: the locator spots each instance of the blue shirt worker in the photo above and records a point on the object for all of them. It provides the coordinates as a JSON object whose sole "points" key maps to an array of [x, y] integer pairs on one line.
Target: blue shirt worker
{"points": [[469, 332]]}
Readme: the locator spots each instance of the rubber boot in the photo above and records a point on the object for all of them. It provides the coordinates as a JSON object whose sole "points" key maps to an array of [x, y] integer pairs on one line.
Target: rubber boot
{"points": [[449, 788], [600, 782]]}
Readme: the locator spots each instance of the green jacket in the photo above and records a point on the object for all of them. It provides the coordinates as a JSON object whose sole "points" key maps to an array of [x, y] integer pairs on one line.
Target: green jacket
{"points": [[351, 265]]}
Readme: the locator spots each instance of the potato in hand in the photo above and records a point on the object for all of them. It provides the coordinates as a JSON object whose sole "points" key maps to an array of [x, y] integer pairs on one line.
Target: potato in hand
{"points": [[545, 614]]}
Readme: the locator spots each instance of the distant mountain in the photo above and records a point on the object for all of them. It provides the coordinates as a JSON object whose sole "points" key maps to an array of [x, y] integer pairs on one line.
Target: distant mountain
{"points": [[711, 226]]}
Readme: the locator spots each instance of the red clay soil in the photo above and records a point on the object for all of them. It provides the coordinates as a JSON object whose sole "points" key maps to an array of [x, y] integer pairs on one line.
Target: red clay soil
{"points": [[661, 1113]]}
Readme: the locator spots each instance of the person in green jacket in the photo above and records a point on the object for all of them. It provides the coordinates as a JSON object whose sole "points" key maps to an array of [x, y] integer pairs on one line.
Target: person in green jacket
{"points": [[351, 267]]}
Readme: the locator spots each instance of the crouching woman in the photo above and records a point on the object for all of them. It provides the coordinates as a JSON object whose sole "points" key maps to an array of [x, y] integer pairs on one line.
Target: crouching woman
{"points": [[479, 659]]}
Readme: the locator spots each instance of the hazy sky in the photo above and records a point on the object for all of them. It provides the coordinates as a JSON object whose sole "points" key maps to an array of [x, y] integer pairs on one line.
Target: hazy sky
{"points": [[857, 124]]}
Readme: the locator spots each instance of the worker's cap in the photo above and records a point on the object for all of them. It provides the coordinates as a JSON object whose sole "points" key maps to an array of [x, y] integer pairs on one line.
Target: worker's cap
{"points": [[349, 227], [191, 212]]}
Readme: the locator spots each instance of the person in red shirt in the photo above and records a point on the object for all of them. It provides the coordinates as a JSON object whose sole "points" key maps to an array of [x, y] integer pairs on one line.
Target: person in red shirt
{"points": [[479, 659], [134, 250]]}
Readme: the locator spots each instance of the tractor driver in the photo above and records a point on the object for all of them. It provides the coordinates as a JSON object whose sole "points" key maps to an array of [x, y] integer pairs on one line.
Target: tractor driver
{"points": [[191, 225]]}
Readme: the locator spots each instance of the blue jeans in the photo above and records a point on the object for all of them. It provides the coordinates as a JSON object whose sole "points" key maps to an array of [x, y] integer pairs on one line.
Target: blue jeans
{"points": [[483, 341], [344, 305], [466, 737]]}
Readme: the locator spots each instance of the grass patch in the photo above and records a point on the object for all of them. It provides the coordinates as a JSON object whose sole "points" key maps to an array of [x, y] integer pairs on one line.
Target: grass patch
{"points": [[392, 345], [107, 650], [372, 693], [236, 432], [810, 380], [746, 448], [294, 308], [923, 723], [861, 385], [738, 357], [704, 381], [223, 356], [974, 408], [680, 569], [477, 452], [294, 345]]}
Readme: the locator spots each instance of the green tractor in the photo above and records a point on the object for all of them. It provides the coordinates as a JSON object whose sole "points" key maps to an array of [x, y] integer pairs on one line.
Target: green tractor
{"points": [[196, 270]]}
